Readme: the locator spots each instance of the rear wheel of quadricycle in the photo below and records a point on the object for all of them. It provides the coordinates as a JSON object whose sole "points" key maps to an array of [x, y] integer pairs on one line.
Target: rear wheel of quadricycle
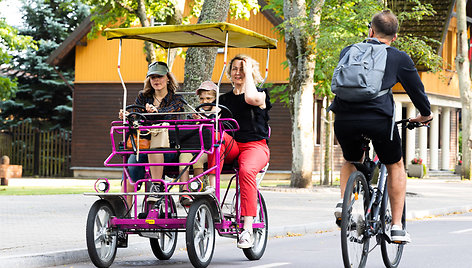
{"points": [[164, 245], [391, 252], [101, 244], [354, 242], [260, 234], [200, 233]]}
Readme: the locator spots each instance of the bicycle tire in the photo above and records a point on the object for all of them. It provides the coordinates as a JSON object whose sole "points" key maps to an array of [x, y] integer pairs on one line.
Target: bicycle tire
{"points": [[260, 235], [354, 242], [164, 245], [101, 244], [391, 252]]}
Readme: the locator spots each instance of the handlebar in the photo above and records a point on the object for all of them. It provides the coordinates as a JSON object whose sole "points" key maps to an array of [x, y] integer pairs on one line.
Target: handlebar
{"points": [[412, 125]]}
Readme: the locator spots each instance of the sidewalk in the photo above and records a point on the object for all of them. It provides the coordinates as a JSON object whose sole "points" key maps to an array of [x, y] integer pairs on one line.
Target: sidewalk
{"points": [[42, 231]]}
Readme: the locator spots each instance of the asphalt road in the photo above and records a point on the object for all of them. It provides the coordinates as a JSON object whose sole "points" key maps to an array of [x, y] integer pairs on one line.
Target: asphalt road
{"points": [[437, 242]]}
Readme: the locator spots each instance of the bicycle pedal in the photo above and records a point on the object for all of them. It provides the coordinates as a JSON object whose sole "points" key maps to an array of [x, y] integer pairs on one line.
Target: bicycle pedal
{"points": [[338, 222], [122, 239]]}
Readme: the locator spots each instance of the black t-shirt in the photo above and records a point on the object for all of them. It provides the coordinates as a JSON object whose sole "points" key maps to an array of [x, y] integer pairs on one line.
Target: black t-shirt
{"points": [[399, 68], [252, 120]]}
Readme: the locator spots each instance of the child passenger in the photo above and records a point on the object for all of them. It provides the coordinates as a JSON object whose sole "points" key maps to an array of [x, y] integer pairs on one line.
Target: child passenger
{"points": [[206, 93]]}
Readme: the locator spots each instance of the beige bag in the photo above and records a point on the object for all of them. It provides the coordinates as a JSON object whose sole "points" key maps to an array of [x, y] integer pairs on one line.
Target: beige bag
{"points": [[160, 136]]}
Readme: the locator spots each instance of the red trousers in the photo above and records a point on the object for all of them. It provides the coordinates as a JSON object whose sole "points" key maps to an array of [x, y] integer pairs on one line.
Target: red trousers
{"points": [[252, 157]]}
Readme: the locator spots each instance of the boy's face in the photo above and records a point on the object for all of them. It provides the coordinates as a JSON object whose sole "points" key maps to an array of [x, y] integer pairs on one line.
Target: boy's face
{"points": [[206, 96]]}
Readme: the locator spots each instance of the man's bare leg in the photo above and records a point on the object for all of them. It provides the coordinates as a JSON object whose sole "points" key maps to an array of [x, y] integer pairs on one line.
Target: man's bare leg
{"points": [[396, 190]]}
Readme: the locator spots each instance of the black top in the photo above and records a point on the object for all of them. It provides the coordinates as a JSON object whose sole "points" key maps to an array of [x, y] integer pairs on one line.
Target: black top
{"points": [[170, 103], [399, 68], [252, 120]]}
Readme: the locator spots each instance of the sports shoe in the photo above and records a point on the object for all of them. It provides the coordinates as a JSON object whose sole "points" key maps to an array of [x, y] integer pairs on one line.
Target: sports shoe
{"points": [[185, 200], [209, 189], [398, 235], [246, 239]]}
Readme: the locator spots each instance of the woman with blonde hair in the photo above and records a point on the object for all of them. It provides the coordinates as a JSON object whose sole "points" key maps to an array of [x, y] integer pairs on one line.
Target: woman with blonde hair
{"points": [[250, 106]]}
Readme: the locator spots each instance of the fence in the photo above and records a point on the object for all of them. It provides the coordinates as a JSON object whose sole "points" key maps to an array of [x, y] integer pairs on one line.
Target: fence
{"points": [[41, 153]]}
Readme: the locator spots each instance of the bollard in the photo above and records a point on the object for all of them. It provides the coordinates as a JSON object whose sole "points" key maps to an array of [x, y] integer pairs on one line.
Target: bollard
{"points": [[7, 171]]}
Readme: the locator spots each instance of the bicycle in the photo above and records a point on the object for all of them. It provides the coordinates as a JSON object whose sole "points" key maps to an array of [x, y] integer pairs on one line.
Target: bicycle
{"points": [[371, 216]]}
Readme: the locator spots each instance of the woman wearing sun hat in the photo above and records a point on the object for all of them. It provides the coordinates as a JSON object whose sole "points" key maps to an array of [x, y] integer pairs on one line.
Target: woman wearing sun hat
{"points": [[158, 96]]}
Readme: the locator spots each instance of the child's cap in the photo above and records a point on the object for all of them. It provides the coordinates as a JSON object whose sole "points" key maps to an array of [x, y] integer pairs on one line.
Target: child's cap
{"points": [[207, 85]]}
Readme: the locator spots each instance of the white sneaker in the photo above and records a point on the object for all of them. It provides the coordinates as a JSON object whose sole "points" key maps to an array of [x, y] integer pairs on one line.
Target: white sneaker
{"points": [[398, 235], [246, 239], [209, 189]]}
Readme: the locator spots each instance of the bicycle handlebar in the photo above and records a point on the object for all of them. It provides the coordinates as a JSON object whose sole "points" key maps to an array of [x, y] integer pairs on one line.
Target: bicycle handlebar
{"points": [[412, 125]]}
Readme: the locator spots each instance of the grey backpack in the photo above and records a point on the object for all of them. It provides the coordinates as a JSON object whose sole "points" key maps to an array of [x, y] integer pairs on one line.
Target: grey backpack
{"points": [[358, 76]]}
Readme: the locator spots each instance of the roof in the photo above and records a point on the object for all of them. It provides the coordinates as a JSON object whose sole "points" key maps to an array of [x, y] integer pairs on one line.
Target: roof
{"points": [[434, 27], [62, 52]]}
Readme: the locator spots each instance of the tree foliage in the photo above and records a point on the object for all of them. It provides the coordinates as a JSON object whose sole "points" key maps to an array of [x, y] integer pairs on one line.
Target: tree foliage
{"points": [[10, 43], [344, 23], [43, 97]]}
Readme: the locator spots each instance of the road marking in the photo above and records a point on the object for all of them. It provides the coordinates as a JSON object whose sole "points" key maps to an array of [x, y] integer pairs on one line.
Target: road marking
{"points": [[462, 231], [271, 265]]}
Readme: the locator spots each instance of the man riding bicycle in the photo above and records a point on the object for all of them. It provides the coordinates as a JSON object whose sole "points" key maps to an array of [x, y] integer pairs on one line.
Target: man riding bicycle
{"points": [[374, 119]]}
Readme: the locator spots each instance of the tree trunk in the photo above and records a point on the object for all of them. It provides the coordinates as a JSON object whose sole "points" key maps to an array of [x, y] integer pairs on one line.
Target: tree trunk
{"points": [[301, 64], [200, 61], [462, 66], [148, 46], [176, 19], [328, 144]]}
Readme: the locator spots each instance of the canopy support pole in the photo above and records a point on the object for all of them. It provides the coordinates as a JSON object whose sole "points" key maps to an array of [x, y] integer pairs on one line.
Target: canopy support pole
{"points": [[266, 69], [125, 91], [217, 174]]}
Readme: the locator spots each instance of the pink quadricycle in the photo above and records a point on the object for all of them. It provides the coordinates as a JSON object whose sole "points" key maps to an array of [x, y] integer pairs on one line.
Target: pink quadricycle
{"points": [[153, 213]]}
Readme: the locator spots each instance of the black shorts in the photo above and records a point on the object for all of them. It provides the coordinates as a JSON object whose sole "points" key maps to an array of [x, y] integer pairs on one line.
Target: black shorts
{"points": [[349, 134]]}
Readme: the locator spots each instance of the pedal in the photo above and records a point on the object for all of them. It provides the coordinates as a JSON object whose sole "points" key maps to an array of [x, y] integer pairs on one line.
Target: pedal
{"points": [[142, 215], [338, 222], [122, 239]]}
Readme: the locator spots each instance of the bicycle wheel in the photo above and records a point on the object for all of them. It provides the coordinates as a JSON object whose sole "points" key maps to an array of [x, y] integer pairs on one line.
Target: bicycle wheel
{"points": [[260, 234], [164, 245], [200, 233], [101, 244], [391, 252], [354, 242]]}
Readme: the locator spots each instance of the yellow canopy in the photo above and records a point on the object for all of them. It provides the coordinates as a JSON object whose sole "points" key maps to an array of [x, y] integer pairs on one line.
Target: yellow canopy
{"points": [[195, 35]]}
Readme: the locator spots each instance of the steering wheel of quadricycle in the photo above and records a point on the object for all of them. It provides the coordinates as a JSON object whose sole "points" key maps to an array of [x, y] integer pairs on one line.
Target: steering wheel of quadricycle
{"points": [[136, 116], [222, 108]]}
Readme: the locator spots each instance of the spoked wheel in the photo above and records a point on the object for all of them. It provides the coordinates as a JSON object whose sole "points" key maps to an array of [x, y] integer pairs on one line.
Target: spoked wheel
{"points": [[200, 233], [354, 242], [164, 245], [391, 252], [101, 244], [260, 234]]}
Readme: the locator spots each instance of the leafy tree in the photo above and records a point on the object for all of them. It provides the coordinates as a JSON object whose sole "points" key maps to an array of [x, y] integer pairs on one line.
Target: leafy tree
{"points": [[10, 43], [43, 96], [341, 24]]}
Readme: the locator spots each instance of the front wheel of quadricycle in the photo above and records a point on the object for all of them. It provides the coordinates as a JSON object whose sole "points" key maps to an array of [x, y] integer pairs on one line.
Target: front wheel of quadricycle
{"points": [[101, 245], [354, 242], [391, 252], [260, 234], [164, 245], [200, 234]]}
